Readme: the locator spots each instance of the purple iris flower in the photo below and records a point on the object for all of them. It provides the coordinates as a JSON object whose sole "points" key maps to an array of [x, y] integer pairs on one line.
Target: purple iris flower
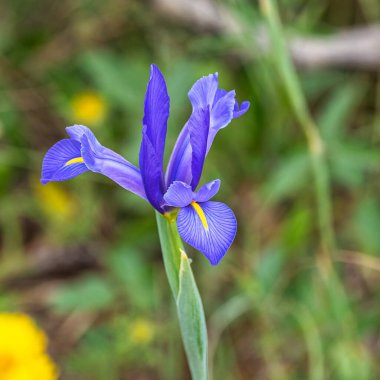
{"points": [[208, 226]]}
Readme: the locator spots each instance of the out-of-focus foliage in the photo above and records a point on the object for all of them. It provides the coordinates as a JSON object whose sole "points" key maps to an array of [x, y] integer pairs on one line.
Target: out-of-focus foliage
{"points": [[83, 256]]}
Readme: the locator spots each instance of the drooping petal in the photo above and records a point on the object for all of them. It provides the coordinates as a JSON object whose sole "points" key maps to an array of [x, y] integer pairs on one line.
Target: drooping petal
{"points": [[77, 131], [198, 127], [156, 113], [105, 161], [214, 237], [179, 194], [62, 161], [207, 191]]}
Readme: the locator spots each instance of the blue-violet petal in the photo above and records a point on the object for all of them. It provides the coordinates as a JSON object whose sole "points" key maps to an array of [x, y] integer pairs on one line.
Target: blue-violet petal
{"points": [[156, 113], [242, 109], [214, 241], [179, 194], [202, 93], [179, 166], [207, 191], [198, 127], [62, 161], [221, 115], [107, 162]]}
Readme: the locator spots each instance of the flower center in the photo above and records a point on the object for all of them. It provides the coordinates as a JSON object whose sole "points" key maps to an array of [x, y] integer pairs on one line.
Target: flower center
{"points": [[201, 214], [76, 160]]}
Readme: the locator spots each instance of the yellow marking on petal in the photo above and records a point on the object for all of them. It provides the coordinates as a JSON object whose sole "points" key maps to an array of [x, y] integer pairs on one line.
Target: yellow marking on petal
{"points": [[76, 160], [201, 214]]}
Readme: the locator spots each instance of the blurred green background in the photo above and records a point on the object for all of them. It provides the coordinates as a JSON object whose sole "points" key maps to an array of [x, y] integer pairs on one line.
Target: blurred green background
{"points": [[294, 298]]}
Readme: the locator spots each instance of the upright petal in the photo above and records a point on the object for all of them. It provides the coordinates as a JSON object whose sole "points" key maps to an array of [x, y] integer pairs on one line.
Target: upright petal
{"points": [[221, 115], [203, 92], [105, 161], [156, 113], [238, 110], [223, 108], [179, 194], [62, 161], [219, 94], [179, 166], [207, 191], [151, 173], [210, 227], [201, 96], [156, 109], [198, 127]]}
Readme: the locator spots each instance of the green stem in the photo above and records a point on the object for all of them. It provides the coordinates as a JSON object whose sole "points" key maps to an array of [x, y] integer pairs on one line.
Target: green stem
{"points": [[186, 295]]}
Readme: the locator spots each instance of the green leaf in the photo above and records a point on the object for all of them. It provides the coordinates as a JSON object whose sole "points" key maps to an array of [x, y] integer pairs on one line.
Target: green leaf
{"points": [[288, 178], [351, 161], [366, 224], [118, 78], [171, 246], [269, 270], [89, 294], [189, 304], [192, 320], [338, 109], [129, 268]]}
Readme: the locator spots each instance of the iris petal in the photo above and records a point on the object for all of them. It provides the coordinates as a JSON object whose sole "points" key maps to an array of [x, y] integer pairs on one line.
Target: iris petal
{"points": [[56, 165], [178, 168], [242, 109], [179, 194], [203, 92], [105, 161], [77, 131], [215, 241], [201, 96], [156, 113], [198, 127], [156, 109], [221, 115], [207, 191], [219, 94], [223, 108], [151, 171]]}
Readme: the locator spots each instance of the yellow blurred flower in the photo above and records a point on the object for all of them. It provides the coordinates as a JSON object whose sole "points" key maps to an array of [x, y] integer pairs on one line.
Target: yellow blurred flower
{"points": [[23, 350], [56, 202], [88, 108], [141, 331]]}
